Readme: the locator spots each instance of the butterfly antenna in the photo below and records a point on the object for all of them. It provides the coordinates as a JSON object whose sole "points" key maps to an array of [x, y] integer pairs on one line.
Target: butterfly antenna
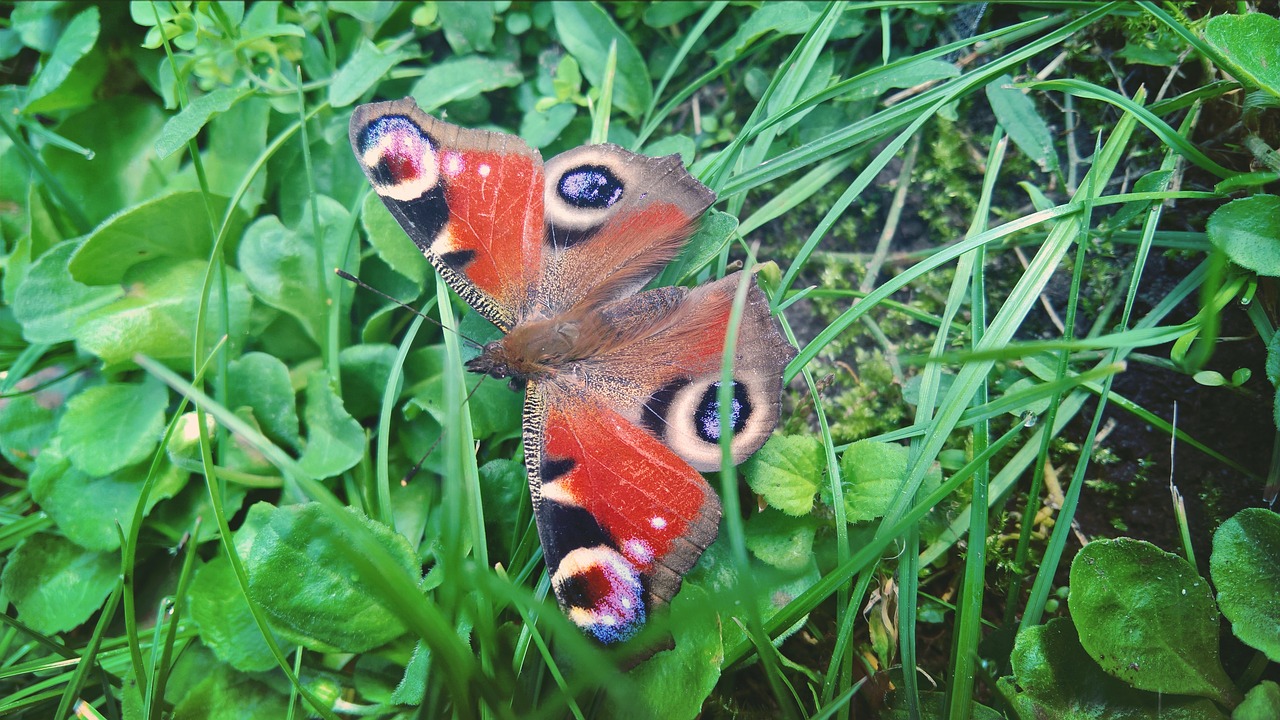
{"points": [[352, 278], [418, 465]]}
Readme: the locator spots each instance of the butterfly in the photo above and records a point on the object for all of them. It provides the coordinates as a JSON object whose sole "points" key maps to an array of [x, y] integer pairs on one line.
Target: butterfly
{"points": [[622, 403]]}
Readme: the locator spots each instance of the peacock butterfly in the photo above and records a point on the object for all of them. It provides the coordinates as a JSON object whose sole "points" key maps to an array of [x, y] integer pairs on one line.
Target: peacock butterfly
{"points": [[621, 385]]}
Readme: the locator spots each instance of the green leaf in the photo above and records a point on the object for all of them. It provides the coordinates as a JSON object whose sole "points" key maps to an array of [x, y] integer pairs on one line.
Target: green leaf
{"points": [[1147, 618], [463, 78], [90, 510], [1248, 231], [1273, 373], [786, 471], [1020, 118], [1053, 677], [1250, 42], [55, 584], [586, 32], [170, 226], [185, 125], [540, 129], [366, 66], [280, 262], [391, 243], [1245, 567], [366, 370], [124, 169], [261, 382], [502, 489], [220, 610], [335, 441], [73, 43], [1262, 702], [49, 303], [674, 684], [780, 540], [111, 426], [495, 410], [224, 694], [302, 574], [157, 315], [468, 26], [872, 473]]}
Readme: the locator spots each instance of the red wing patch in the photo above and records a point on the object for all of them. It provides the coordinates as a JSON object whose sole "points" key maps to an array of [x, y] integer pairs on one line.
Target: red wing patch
{"points": [[471, 200], [621, 517]]}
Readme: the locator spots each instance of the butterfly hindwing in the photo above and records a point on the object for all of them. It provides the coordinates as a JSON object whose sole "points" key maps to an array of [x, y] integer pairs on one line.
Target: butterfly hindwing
{"points": [[620, 516], [470, 199]]}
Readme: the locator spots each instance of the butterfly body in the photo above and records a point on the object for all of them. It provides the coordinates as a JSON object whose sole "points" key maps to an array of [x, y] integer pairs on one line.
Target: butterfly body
{"points": [[622, 399]]}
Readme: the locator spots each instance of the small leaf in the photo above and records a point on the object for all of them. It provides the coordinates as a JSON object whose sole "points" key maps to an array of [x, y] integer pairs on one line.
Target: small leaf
{"points": [[1147, 618], [335, 441], [170, 226], [1250, 42], [261, 382], [780, 540], [1020, 118], [366, 66], [280, 262], [55, 584], [463, 78], [302, 573], [73, 43], [468, 26], [873, 473], [1053, 677], [366, 370], [1245, 567], [587, 32], [786, 471], [1248, 231], [1262, 702], [541, 128], [111, 426], [185, 125]]}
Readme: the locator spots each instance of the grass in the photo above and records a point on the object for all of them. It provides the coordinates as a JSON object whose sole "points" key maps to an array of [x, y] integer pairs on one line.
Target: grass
{"points": [[316, 512]]}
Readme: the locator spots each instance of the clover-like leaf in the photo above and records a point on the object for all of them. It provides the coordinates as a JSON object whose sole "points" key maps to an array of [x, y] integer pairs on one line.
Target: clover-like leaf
{"points": [[786, 471]]}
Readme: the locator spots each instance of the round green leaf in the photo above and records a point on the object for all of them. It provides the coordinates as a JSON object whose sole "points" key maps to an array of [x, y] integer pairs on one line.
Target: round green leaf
{"points": [[1262, 702], [1147, 618], [112, 426], [1245, 567], [303, 574], [872, 474], [261, 382], [1053, 677], [55, 584], [1250, 42], [780, 540], [786, 471], [220, 611], [335, 441], [1248, 231]]}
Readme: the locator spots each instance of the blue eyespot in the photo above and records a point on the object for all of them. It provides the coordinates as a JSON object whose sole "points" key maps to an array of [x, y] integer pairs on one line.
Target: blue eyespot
{"points": [[591, 187], [706, 419]]}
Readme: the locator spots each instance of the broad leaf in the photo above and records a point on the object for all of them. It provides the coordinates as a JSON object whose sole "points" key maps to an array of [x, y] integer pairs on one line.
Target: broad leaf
{"points": [[587, 31], [112, 426], [1245, 566], [55, 584], [1248, 231], [335, 441], [786, 471], [302, 573], [1147, 618]]}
